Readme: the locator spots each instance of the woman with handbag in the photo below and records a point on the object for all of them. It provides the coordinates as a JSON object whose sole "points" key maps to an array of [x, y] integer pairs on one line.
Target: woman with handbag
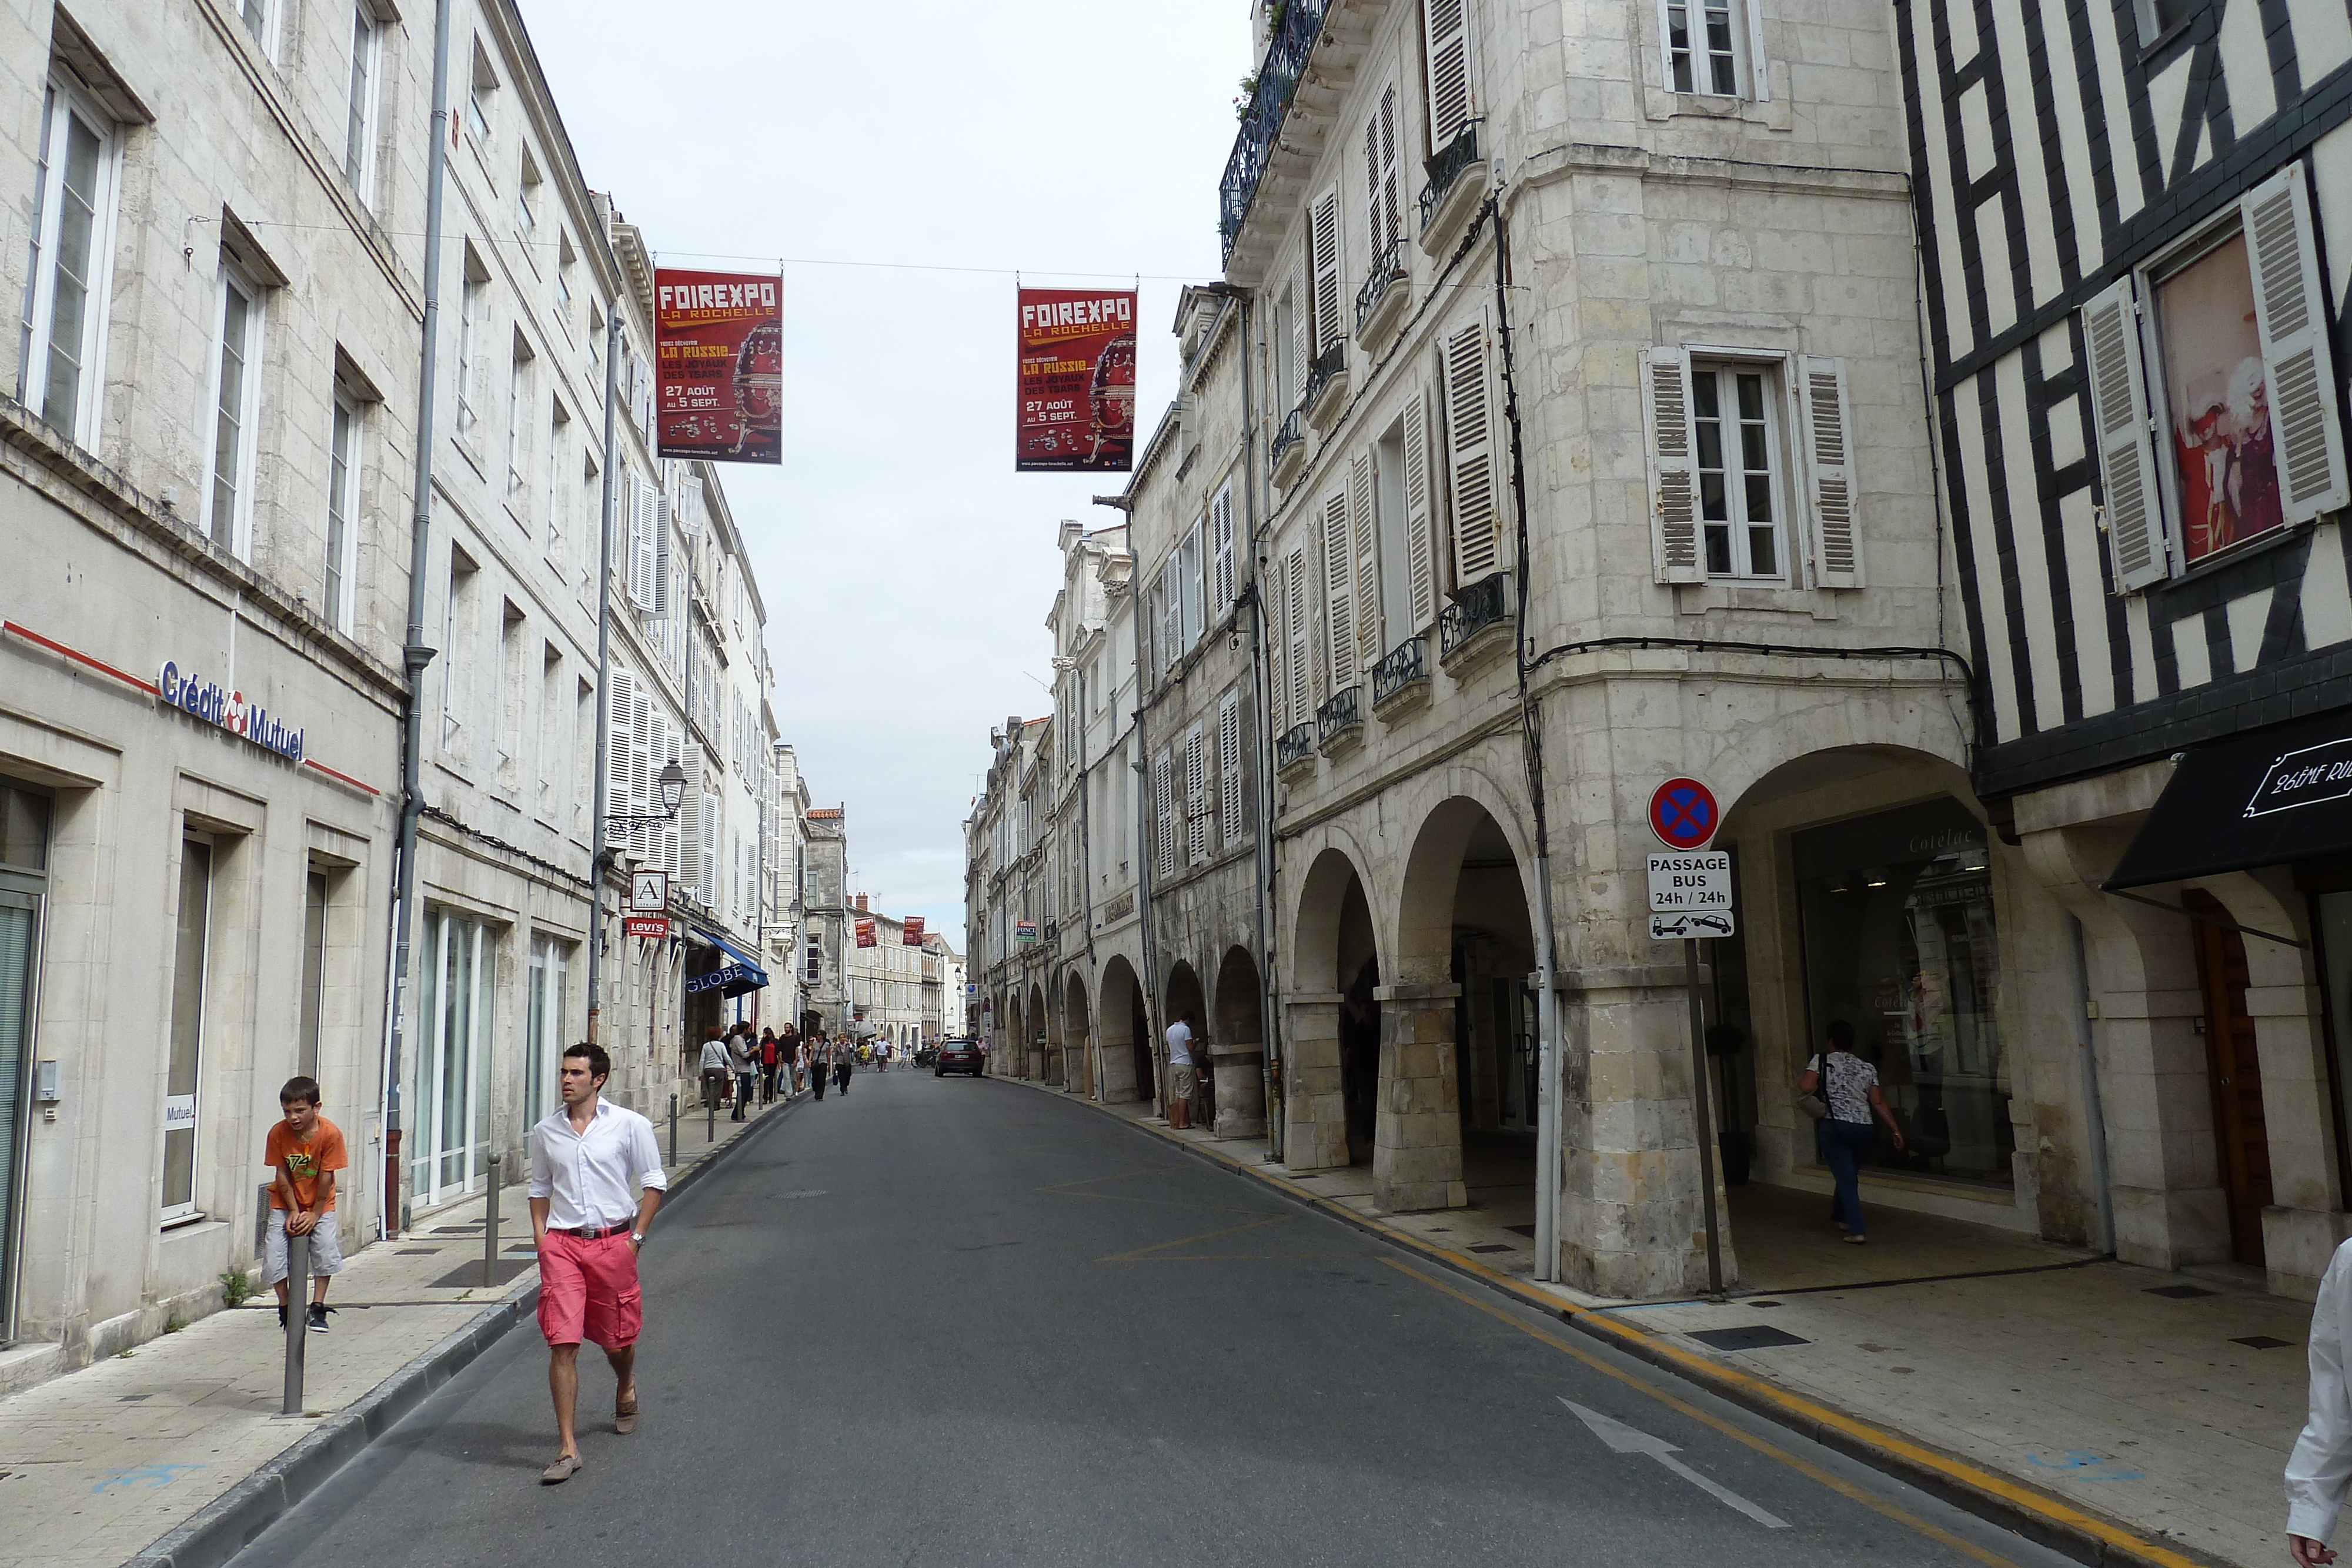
{"points": [[1840, 1091]]}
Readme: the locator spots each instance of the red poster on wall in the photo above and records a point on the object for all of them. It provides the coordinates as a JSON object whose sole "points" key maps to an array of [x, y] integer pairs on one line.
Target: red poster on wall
{"points": [[866, 934], [912, 935], [721, 357], [1077, 381]]}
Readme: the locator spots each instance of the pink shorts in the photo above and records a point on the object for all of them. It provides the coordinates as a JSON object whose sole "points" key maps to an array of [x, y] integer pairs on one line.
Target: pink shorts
{"points": [[588, 1291]]}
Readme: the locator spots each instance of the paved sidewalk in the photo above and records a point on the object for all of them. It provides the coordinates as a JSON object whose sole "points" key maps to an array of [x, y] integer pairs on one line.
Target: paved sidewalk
{"points": [[2144, 1413], [99, 1463]]}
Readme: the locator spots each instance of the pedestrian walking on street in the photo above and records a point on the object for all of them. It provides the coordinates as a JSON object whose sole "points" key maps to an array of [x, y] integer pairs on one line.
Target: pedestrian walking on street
{"points": [[819, 1066], [1183, 1082], [304, 1151], [2319, 1471], [743, 1058], [714, 1068], [844, 1060], [767, 1066], [788, 1055], [595, 1180], [1849, 1086]]}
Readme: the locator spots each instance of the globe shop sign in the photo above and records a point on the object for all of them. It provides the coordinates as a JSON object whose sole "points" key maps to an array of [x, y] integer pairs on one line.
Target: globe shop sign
{"points": [[215, 705]]}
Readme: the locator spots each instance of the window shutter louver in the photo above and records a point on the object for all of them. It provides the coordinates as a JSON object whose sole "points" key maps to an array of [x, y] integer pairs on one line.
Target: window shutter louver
{"points": [[1276, 606], [1302, 663], [620, 710], [1448, 40], [641, 769], [1470, 455], [1196, 795], [1367, 574], [1416, 511], [1372, 208], [2290, 310], [1338, 600], [1323, 225], [644, 547], [1302, 315], [1673, 471], [671, 737], [1827, 404], [1221, 523], [2136, 544], [1229, 769], [1163, 807], [709, 880], [1390, 196]]}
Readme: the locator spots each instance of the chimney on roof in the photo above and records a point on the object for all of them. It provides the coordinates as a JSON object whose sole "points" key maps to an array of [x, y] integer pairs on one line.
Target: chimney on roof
{"points": [[861, 904]]}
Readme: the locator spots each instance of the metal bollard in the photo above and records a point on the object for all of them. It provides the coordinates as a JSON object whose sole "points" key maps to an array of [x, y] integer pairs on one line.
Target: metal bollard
{"points": [[710, 1120], [673, 1132], [490, 1227], [298, 1319]]}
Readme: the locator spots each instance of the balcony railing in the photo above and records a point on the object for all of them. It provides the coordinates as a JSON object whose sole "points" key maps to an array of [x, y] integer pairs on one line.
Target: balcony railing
{"points": [[1387, 272], [1277, 80], [1445, 168], [1407, 663], [1293, 432], [1295, 745], [1475, 608], [1331, 362], [1343, 713]]}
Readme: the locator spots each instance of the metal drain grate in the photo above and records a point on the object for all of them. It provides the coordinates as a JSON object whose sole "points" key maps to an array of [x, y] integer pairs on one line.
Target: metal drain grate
{"points": [[1754, 1336], [2262, 1341], [1494, 1247], [2180, 1293]]}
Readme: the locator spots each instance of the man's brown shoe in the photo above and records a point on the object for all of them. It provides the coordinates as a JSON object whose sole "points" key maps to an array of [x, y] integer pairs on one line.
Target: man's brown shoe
{"points": [[566, 1466], [624, 1417]]}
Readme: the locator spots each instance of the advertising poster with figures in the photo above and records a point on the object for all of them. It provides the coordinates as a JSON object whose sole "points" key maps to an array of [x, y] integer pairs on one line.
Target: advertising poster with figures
{"points": [[1077, 381], [721, 354]]}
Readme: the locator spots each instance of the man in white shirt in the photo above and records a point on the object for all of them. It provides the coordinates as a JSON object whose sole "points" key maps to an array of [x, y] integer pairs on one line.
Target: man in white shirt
{"points": [[2319, 1471], [595, 1180], [1182, 1082]]}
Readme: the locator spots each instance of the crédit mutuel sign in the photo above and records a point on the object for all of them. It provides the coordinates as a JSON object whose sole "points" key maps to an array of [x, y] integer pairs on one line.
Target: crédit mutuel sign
{"points": [[228, 709]]}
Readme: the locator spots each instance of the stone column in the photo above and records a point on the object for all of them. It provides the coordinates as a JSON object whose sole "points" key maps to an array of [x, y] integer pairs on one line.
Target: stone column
{"points": [[1238, 1072], [1417, 1136], [1314, 1136]]}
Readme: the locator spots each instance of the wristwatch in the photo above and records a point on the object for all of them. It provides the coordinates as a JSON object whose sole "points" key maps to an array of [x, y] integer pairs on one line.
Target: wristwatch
{"points": [[639, 1237]]}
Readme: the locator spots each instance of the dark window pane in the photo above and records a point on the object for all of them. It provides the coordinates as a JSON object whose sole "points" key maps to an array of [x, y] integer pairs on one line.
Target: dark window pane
{"points": [[1719, 551], [1763, 559], [1760, 498], [1711, 497]]}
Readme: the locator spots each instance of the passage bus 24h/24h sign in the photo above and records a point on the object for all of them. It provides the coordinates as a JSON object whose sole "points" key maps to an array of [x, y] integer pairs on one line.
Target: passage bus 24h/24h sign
{"points": [[1690, 893]]}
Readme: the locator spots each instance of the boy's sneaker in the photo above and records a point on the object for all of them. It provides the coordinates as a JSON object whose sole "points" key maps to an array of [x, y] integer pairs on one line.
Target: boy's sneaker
{"points": [[281, 1316], [318, 1310]]}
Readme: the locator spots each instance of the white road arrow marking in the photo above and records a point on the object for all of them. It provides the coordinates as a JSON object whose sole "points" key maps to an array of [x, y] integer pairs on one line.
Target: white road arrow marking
{"points": [[1624, 1439]]}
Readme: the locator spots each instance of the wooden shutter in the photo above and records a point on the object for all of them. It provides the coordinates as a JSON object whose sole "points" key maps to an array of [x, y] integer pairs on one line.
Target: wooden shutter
{"points": [[645, 546], [1418, 560], [689, 829], [1196, 795], [709, 848], [1220, 533], [1827, 410], [1163, 811], [667, 754], [1367, 575], [620, 706], [2131, 511], [642, 790], [1302, 315], [1338, 600], [1302, 662], [1229, 769], [1446, 33], [1470, 455], [1674, 468], [1391, 195], [2290, 314], [1323, 229]]}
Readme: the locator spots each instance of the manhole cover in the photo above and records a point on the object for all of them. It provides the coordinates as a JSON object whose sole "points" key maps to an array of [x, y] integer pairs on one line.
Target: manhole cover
{"points": [[1753, 1336], [2181, 1293]]}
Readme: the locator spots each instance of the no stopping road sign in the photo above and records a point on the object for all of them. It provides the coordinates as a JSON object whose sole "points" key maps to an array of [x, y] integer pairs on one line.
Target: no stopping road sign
{"points": [[1683, 814]]}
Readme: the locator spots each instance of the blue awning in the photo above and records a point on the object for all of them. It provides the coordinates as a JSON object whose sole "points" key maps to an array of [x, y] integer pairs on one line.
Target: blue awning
{"points": [[738, 978]]}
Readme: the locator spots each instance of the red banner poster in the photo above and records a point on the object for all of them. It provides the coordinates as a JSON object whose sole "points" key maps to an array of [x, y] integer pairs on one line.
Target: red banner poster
{"points": [[721, 359], [1077, 381], [912, 935], [866, 934]]}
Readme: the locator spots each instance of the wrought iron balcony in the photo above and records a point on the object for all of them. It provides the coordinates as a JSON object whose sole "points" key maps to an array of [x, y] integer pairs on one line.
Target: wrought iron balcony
{"points": [[1483, 603], [1332, 361], [1343, 713], [1294, 745], [1277, 80], [1406, 665], [1387, 273], [1291, 437], [1445, 168]]}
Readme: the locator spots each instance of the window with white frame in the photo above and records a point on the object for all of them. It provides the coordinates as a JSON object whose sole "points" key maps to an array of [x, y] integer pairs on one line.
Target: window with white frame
{"points": [[1738, 444], [234, 402], [518, 416], [1713, 47], [358, 129], [527, 191], [58, 373], [2212, 391], [473, 302], [260, 19], [481, 94], [557, 437], [342, 512]]}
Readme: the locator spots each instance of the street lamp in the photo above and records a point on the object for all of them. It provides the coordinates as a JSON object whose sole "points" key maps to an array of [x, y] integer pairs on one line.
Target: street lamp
{"points": [[672, 782]]}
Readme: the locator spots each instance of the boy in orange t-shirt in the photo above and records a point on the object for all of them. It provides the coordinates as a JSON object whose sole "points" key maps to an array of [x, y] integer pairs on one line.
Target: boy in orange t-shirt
{"points": [[305, 1151]]}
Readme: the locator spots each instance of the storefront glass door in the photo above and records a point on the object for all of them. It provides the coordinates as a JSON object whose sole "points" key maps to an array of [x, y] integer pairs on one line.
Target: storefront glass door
{"points": [[453, 1115], [23, 866], [190, 953], [544, 1028]]}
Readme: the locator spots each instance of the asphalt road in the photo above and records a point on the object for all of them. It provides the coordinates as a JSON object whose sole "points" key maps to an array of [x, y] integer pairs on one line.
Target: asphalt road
{"points": [[954, 1322]]}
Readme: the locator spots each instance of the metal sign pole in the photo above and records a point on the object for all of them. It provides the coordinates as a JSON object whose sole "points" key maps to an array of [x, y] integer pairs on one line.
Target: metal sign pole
{"points": [[298, 1319], [490, 1228], [1702, 1097]]}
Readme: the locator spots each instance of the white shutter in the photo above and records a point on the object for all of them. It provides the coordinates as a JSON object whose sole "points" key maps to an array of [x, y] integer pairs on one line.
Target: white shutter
{"points": [[1221, 531], [1338, 600], [1196, 796], [668, 849], [620, 704], [1163, 806], [1470, 455], [1229, 769], [2291, 312], [1323, 228], [645, 545], [645, 793], [1674, 468], [1823, 400], [1302, 315], [1387, 197], [1301, 658], [2131, 512], [709, 882], [1448, 53], [1418, 561], [1367, 573]]}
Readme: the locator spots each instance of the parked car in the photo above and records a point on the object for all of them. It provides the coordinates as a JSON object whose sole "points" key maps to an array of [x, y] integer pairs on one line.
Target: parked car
{"points": [[964, 1056]]}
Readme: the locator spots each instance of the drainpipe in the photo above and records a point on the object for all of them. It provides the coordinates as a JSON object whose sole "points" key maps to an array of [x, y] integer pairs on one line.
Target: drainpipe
{"points": [[600, 853], [1548, 1095], [1086, 914], [1143, 844], [415, 654]]}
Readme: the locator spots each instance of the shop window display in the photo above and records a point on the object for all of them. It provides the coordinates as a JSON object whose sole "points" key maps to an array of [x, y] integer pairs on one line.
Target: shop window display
{"points": [[1901, 941]]}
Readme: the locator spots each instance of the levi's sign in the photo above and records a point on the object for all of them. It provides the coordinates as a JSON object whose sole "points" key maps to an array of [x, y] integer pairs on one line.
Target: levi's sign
{"points": [[2305, 777], [1682, 881], [229, 710]]}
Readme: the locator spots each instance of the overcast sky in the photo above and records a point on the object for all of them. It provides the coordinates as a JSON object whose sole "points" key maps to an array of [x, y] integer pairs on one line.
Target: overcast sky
{"points": [[906, 569]]}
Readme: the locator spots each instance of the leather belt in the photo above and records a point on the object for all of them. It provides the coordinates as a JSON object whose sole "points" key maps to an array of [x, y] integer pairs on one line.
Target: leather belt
{"points": [[621, 1230]]}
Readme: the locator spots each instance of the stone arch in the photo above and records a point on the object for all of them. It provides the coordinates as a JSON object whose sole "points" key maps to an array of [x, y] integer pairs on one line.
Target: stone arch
{"points": [[1126, 1053], [1184, 998], [1332, 1017], [1035, 1053], [1077, 1036], [1238, 1057]]}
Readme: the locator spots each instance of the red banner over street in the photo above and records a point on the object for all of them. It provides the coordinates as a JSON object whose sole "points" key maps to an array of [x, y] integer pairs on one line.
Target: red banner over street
{"points": [[866, 934], [912, 935], [722, 358], [1077, 381]]}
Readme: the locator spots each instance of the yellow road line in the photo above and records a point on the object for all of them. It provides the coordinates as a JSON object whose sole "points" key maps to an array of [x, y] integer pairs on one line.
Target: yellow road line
{"points": [[1142, 1253], [1805, 1467]]}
